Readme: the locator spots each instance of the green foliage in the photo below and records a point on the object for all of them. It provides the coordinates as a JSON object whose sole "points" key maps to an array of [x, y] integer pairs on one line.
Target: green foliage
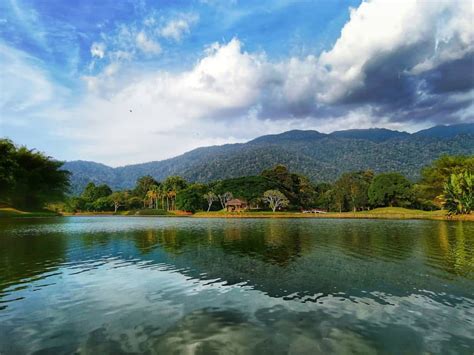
{"points": [[275, 199], [102, 204], [298, 189], [350, 192], [93, 192], [436, 175], [134, 202], [143, 185], [319, 157], [390, 189], [192, 198], [459, 193], [248, 188], [30, 179], [118, 199]]}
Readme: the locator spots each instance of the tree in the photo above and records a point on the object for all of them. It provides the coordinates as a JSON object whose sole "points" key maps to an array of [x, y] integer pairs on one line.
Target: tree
{"points": [[224, 198], [210, 198], [249, 188], [102, 204], [436, 175], [275, 199], [152, 196], [8, 166], [323, 195], [93, 192], [351, 190], [191, 198], [134, 202], [390, 189], [172, 186], [143, 185], [299, 191], [30, 179], [118, 198], [459, 193]]}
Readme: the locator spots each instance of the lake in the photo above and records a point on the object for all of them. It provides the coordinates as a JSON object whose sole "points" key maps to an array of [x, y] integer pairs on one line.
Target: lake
{"points": [[98, 285]]}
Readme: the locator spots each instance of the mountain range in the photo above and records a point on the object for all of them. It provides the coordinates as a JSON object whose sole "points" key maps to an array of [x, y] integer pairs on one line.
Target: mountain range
{"points": [[321, 157]]}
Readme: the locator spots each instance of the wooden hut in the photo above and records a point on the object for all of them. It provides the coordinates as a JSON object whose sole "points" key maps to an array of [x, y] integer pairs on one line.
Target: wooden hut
{"points": [[235, 205]]}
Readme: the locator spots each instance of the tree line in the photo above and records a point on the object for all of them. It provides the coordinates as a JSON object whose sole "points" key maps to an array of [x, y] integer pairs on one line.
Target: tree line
{"points": [[448, 183], [30, 180]]}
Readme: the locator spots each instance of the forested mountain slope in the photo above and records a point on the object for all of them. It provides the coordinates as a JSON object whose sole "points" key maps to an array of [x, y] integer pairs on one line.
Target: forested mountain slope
{"points": [[322, 157]]}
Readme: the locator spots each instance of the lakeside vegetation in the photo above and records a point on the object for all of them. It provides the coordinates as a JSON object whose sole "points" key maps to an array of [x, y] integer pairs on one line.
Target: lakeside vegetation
{"points": [[29, 181]]}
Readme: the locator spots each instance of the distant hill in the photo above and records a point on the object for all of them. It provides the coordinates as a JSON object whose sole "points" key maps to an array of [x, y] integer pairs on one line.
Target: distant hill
{"points": [[322, 157]]}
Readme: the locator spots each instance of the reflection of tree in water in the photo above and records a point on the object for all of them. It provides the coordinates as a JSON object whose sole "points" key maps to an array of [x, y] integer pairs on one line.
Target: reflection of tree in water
{"points": [[450, 248], [277, 243], [364, 240], [146, 241], [29, 257], [96, 239]]}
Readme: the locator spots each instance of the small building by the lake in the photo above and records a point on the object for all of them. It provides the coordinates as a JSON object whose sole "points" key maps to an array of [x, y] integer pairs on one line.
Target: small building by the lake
{"points": [[236, 205]]}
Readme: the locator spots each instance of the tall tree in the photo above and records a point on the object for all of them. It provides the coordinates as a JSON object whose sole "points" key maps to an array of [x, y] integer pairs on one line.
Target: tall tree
{"points": [[390, 189], [191, 198], [351, 190], [143, 185], [172, 186], [210, 197], [224, 198]]}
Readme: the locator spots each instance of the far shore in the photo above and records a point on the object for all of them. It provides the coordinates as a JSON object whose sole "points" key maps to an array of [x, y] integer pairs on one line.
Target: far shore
{"points": [[379, 213]]}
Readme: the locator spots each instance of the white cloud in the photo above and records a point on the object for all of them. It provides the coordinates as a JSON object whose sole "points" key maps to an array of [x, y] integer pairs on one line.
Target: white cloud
{"points": [[231, 95], [178, 27], [98, 50], [146, 44], [382, 27], [24, 84]]}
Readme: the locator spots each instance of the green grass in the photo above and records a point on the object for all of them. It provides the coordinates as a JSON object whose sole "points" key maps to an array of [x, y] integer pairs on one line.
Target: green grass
{"points": [[13, 212], [378, 213], [147, 212]]}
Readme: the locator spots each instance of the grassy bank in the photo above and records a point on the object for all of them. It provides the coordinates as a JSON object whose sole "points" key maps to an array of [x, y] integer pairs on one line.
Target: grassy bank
{"points": [[13, 212], [379, 213], [141, 212]]}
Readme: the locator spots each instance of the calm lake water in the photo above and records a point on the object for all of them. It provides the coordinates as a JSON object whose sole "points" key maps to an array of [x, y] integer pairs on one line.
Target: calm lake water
{"points": [[98, 285]]}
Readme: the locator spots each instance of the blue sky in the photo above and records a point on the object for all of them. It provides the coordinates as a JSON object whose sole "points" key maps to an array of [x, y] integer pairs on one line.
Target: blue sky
{"points": [[131, 81]]}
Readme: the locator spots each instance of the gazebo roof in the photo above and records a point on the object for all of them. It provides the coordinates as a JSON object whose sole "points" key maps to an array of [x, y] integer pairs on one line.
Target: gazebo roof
{"points": [[235, 202]]}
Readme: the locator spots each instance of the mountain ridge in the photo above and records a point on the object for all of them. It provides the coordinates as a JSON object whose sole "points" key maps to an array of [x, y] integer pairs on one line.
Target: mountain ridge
{"points": [[322, 157]]}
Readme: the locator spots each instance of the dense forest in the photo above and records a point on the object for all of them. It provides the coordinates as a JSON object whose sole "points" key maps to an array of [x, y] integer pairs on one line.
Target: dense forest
{"points": [[448, 182], [320, 157]]}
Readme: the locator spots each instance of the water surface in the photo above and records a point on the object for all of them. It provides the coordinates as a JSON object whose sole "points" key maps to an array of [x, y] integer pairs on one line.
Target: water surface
{"points": [[97, 285]]}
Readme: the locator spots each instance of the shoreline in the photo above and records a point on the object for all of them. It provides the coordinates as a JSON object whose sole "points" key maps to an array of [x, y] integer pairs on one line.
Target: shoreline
{"points": [[337, 215], [380, 213]]}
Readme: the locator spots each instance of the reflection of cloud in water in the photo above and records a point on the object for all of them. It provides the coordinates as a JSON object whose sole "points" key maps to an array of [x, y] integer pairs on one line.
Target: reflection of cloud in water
{"points": [[134, 309], [312, 286]]}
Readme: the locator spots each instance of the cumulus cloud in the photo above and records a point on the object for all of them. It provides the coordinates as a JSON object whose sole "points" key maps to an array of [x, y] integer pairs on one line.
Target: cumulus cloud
{"points": [[393, 62], [175, 29], [400, 65], [398, 55]]}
